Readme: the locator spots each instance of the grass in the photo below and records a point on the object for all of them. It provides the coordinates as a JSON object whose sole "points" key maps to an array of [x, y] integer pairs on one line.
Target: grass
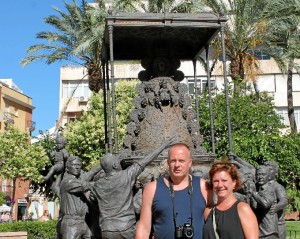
{"points": [[293, 229]]}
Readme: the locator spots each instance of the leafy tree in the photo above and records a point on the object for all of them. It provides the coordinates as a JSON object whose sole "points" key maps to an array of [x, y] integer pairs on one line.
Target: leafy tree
{"points": [[256, 133], [77, 38], [253, 121], [86, 136], [47, 142], [19, 159], [283, 42], [156, 6]]}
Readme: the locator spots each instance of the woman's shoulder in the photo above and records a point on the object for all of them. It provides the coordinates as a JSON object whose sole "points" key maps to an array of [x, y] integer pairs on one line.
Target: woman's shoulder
{"points": [[243, 207]]}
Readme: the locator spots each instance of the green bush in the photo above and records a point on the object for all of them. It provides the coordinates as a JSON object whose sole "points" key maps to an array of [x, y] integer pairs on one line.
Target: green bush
{"points": [[35, 229]]}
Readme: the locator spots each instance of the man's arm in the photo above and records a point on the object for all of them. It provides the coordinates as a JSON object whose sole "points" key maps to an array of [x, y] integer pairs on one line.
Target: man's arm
{"points": [[242, 163], [88, 176], [153, 155], [282, 199], [75, 185], [144, 225], [264, 198]]}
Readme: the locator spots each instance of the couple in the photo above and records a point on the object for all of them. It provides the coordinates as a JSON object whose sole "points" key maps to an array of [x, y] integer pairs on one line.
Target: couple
{"points": [[177, 206]]}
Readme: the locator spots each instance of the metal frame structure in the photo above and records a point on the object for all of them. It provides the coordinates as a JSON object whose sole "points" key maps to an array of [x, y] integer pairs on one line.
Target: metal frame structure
{"points": [[129, 36]]}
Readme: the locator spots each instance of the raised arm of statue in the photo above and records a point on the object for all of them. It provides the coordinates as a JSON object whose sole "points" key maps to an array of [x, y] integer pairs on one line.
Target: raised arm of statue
{"points": [[242, 163], [88, 176]]}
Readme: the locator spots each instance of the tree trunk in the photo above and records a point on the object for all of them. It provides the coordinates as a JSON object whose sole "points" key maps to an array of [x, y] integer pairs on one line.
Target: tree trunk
{"points": [[95, 78], [256, 89], [237, 73], [290, 101], [12, 209]]}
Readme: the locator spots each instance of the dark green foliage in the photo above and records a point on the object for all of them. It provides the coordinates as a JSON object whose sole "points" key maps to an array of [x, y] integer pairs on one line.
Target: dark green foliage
{"points": [[256, 134], [45, 230], [253, 122]]}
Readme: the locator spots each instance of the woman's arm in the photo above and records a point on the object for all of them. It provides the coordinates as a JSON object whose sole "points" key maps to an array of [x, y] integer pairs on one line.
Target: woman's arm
{"points": [[248, 221]]}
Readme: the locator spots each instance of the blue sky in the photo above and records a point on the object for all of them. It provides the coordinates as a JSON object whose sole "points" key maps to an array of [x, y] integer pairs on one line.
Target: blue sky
{"points": [[20, 20]]}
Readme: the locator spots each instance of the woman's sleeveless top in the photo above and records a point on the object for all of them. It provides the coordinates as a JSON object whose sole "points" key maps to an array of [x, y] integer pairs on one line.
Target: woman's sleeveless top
{"points": [[228, 224], [162, 210]]}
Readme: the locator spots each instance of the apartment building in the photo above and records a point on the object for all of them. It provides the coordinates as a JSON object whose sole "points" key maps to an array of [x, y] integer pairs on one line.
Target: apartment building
{"points": [[15, 109], [74, 90]]}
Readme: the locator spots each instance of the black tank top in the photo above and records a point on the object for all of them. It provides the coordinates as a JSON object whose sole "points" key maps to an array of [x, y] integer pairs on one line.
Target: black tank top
{"points": [[228, 224]]}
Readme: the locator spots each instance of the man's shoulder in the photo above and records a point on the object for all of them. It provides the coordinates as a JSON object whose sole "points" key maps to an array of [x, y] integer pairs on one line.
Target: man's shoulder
{"points": [[276, 185], [67, 177], [269, 186], [150, 189]]}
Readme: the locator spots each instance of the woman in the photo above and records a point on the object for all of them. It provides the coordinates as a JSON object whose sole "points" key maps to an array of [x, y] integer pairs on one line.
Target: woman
{"points": [[45, 217], [233, 219], [5, 217]]}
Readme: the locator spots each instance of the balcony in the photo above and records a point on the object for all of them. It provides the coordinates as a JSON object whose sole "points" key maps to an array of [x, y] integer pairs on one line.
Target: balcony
{"points": [[30, 125], [8, 118]]}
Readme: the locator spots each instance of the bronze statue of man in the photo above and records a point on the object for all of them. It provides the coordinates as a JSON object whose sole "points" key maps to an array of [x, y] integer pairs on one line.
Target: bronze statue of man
{"points": [[74, 203], [114, 193], [265, 200]]}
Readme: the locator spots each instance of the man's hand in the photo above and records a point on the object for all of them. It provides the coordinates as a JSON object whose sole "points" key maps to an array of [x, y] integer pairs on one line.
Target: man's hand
{"points": [[273, 209]]}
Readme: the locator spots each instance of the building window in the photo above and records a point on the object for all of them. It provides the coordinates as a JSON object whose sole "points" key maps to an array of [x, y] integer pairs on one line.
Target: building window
{"points": [[4, 189], [285, 119], [79, 88], [72, 118], [259, 54], [6, 107], [202, 84], [16, 111]]}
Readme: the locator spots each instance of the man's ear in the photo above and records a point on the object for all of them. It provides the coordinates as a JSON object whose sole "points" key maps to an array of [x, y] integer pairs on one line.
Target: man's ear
{"points": [[115, 165]]}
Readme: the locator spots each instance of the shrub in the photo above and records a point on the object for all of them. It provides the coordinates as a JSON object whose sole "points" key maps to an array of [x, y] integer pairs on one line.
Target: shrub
{"points": [[35, 229]]}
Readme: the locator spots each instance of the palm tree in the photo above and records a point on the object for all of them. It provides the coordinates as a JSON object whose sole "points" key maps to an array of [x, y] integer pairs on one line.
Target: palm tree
{"points": [[77, 38], [283, 41], [244, 31], [156, 6]]}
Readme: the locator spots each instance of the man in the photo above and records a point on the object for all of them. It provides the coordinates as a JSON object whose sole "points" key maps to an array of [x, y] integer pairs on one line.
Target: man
{"points": [[173, 201], [265, 200], [282, 199], [74, 203], [115, 195]]}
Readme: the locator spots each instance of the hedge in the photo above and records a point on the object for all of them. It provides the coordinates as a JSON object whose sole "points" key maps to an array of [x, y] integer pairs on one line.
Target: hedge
{"points": [[35, 229]]}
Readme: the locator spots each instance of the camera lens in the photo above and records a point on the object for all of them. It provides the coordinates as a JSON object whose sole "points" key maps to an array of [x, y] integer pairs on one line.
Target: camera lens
{"points": [[189, 233]]}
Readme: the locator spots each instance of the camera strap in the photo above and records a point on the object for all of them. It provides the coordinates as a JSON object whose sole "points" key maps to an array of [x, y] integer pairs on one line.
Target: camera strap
{"points": [[172, 195]]}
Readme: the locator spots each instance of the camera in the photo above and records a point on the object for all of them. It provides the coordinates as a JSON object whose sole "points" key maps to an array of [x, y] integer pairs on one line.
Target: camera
{"points": [[185, 231]]}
